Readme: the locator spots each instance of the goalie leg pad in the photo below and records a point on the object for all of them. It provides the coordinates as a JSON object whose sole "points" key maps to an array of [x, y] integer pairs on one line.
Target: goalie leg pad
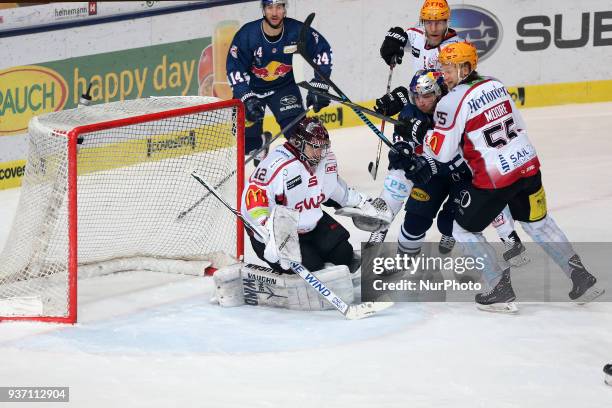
{"points": [[228, 286], [256, 285], [303, 297]]}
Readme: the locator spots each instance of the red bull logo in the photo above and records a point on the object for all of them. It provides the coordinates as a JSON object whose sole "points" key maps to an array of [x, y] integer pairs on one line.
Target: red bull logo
{"points": [[272, 71]]}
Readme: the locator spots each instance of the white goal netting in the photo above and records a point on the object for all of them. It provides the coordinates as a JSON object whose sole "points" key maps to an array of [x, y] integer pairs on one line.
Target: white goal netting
{"points": [[120, 198]]}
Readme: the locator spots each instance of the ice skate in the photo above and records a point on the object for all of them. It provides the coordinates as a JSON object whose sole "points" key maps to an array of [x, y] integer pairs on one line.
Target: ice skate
{"points": [[583, 283], [515, 250], [446, 245], [500, 299]]}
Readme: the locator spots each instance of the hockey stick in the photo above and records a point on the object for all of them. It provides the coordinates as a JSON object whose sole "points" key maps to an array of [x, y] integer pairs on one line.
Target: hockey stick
{"points": [[371, 166], [351, 312], [301, 48], [352, 105], [252, 156]]}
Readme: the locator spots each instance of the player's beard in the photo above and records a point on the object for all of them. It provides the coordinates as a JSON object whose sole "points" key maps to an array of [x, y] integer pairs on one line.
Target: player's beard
{"points": [[275, 27]]}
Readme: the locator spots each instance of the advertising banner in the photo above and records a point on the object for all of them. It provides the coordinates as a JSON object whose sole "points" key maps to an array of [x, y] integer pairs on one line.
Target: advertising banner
{"points": [[545, 53]]}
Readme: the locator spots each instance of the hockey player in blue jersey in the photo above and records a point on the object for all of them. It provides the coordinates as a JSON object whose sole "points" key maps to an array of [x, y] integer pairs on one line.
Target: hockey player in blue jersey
{"points": [[260, 71], [416, 107]]}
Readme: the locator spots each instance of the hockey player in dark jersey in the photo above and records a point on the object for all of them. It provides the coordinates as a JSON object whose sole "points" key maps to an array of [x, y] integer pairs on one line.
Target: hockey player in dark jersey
{"points": [[260, 71], [426, 198]]}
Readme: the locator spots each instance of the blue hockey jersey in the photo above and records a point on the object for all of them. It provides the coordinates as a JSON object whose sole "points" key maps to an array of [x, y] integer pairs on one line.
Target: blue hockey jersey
{"points": [[258, 65]]}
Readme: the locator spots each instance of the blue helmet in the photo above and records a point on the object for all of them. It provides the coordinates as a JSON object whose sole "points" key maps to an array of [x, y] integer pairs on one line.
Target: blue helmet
{"points": [[426, 81], [265, 3]]}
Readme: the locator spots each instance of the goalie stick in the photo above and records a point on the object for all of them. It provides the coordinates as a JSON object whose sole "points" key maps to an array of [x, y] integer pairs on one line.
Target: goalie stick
{"points": [[351, 312], [252, 156], [301, 48], [373, 169]]}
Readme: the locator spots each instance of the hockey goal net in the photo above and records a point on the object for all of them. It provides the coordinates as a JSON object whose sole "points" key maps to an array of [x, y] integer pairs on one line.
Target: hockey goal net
{"points": [[107, 188]]}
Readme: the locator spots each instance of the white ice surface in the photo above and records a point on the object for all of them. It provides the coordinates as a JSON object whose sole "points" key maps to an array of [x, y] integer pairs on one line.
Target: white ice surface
{"points": [[149, 340]]}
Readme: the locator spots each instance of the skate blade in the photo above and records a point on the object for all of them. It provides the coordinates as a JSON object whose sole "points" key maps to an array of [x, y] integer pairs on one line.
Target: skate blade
{"points": [[591, 294], [508, 308]]}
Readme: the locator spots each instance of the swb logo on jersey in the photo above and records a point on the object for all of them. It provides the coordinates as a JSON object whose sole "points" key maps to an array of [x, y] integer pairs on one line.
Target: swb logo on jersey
{"points": [[310, 203], [478, 26]]}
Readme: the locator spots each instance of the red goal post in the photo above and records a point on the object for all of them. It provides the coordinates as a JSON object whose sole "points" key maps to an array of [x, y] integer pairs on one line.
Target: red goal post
{"points": [[102, 192]]}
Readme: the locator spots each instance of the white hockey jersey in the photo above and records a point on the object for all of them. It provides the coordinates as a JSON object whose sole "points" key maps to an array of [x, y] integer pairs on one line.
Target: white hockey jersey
{"points": [[282, 179], [480, 117], [423, 56]]}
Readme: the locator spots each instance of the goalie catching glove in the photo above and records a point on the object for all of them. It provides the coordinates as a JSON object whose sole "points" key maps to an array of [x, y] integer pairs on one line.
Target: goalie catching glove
{"points": [[367, 214]]}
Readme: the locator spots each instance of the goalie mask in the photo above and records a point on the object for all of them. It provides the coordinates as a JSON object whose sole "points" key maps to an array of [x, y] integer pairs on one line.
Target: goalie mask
{"points": [[311, 140]]}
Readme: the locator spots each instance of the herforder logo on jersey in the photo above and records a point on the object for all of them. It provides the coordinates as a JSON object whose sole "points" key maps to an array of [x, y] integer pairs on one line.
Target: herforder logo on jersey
{"points": [[478, 26]]}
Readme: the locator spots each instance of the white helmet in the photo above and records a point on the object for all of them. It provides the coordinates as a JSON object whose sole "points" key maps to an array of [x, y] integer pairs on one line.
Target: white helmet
{"points": [[426, 81], [265, 3]]}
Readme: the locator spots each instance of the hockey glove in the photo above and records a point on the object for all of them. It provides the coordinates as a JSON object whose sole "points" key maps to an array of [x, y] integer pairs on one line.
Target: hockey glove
{"points": [[414, 129], [392, 103], [367, 214], [402, 157], [254, 108], [423, 168], [317, 102], [392, 49]]}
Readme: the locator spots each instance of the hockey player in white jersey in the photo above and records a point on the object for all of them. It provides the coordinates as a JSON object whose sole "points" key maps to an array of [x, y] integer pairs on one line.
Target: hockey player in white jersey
{"points": [[285, 194], [438, 197], [424, 40], [302, 174], [478, 116]]}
